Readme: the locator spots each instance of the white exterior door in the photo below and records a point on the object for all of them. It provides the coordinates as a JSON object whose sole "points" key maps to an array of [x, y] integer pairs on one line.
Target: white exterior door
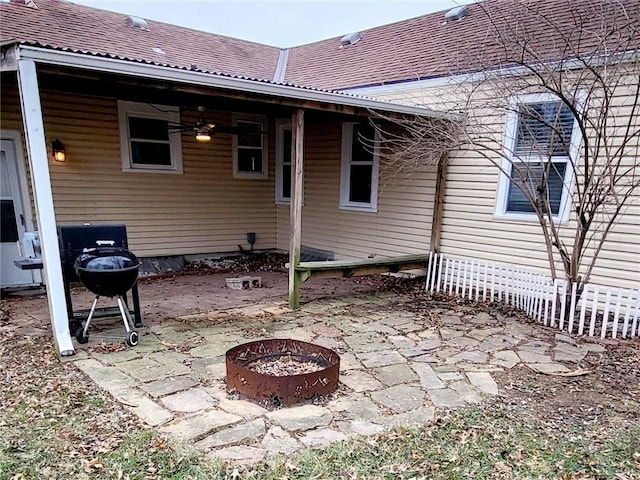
{"points": [[12, 217]]}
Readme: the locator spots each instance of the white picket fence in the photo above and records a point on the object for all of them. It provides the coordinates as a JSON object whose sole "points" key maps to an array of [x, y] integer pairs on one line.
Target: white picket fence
{"points": [[597, 311]]}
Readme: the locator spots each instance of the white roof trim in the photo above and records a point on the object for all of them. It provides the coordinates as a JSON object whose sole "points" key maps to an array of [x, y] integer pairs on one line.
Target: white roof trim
{"points": [[91, 62]]}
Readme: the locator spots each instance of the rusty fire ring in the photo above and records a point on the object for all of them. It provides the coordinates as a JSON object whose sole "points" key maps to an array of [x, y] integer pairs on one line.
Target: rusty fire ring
{"points": [[284, 389]]}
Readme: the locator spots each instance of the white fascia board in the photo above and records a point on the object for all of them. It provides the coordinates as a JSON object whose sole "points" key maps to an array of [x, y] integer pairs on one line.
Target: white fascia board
{"points": [[456, 79], [124, 67]]}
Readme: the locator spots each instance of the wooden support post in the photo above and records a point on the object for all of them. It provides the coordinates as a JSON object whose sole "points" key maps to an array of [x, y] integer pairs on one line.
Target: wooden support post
{"points": [[297, 180], [438, 205], [41, 184]]}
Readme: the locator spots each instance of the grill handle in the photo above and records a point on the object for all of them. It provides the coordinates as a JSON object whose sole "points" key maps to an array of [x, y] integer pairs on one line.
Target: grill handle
{"points": [[102, 243]]}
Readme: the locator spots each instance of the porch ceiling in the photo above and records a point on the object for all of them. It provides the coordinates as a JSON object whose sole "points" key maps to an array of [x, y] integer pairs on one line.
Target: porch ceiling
{"points": [[197, 82]]}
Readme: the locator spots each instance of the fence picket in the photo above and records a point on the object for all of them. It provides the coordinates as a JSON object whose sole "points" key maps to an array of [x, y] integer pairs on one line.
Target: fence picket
{"points": [[546, 304], [572, 310], [605, 315], [554, 299], [563, 304], [583, 309], [484, 284], [493, 280], [627, 315], [433, 271], [594, 312], [635, 331], [440, 263], [616, 314]]}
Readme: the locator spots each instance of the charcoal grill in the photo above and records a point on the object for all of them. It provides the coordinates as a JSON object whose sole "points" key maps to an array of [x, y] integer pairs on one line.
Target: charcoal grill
{"points": [[73, 240], [108, 271]]}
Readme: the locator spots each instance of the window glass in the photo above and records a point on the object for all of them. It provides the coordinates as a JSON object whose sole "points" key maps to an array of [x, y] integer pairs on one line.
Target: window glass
{"points": [[249, 160], [544, 129], [287, 140], [8, 224], [361, 146], [145, 153], [148, 128], [360, 183], [533, 174], [251, 135]]}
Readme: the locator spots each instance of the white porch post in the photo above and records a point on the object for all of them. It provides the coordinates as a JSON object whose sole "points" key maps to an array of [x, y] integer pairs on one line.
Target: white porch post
{"points": [[295, 234], [41, 185]]}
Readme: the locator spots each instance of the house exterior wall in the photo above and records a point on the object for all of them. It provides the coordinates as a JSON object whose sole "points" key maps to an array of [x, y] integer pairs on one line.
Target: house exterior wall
{"points": [[202, 210], [470, 228], [401, 225]]}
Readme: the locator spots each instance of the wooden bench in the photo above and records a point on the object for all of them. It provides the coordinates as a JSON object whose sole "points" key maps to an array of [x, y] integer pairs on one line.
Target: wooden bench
{"points": [[349, 268]]}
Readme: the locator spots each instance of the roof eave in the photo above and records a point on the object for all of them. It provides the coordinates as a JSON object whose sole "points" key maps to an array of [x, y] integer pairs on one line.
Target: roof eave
{"points": [[126, 67]]}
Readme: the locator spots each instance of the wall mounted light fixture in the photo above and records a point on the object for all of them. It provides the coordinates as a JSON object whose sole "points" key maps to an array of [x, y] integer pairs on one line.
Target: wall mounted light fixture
{"points": [[59, 152]]}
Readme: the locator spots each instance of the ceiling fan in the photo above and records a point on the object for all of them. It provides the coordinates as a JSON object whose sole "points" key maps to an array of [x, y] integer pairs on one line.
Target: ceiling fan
{"points": [[204, 129]]}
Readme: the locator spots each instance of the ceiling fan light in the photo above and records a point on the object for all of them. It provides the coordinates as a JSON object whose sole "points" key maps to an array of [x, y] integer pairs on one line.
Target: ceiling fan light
{"points": [[203, 135]]}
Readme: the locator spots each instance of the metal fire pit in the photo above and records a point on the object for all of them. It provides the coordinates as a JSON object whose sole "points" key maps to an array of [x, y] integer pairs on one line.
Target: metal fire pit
{"points": [[287, 389]]}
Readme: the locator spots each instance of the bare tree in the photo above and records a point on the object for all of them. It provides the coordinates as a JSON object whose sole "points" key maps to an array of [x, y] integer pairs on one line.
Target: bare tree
{"points": [[568, 88]]}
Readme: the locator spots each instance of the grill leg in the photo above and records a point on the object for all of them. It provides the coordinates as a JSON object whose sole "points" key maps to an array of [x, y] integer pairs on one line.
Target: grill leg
{"points": [[124, 312], [93, 309]]}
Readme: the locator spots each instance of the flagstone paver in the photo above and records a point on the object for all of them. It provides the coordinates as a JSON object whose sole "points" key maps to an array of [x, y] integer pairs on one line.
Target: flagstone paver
{"points": [[188, 401], [360, 381], [391, 375], [147, 410], [468, 393], [301, 418], [548, 367], [427, 376], [446, 398], [360, 427], [401, 398], [381, 358], [506, 359], [484, 381], [277, 440], [242, 408], [167, 386], [527, 356], [234, 435], [199, 425], [322, 436]]}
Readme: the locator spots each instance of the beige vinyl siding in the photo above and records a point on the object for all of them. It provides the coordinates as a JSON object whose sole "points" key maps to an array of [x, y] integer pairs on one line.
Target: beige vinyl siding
{"points": [[401, 225], [471, 229], [203, 210]]}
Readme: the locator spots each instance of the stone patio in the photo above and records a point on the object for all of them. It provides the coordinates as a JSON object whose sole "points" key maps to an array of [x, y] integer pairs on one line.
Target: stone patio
{"points": [[397, 368]]}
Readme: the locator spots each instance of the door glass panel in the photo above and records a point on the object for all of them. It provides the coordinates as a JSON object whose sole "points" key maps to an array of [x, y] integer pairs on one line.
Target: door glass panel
{"points": [[8, 225], [5, 183]]}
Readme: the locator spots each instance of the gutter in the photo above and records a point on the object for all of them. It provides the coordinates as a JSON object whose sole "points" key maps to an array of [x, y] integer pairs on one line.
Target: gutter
{"points": [[124, 67]]}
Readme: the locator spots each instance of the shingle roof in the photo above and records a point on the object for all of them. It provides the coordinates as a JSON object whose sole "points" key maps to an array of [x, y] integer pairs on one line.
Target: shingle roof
{"points": [[418, 48], [64, 25], [426, 46]]}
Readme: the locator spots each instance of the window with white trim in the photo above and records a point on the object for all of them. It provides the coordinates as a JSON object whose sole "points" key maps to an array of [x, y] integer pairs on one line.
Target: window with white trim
{"points": [[146, 144], [284, 149], [360, 163], [249, 147], [541, 141]]}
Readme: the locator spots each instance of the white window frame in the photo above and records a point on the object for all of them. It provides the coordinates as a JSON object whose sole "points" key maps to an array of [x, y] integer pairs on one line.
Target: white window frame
{"points": [[345, 176], [156, 112], [281, 126], [511, 134], [262, 121]]}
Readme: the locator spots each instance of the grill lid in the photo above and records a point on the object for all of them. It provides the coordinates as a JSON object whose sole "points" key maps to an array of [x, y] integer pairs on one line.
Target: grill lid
{"points": [[106, 258]]}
